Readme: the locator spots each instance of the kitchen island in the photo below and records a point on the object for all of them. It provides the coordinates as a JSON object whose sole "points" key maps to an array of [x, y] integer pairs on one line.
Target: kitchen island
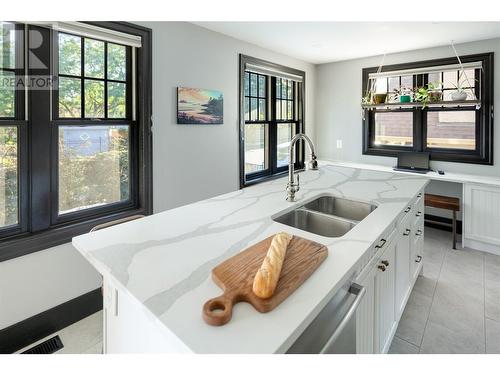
{"points": [[156, 270]]}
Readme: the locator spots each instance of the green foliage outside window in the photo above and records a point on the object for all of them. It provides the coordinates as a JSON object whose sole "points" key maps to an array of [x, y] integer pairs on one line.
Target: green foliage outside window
{"points": [[8, 176], [70, 63]]}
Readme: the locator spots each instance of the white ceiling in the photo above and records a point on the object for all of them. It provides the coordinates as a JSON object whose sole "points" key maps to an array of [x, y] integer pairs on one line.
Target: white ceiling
{"points": [[321, 42]]}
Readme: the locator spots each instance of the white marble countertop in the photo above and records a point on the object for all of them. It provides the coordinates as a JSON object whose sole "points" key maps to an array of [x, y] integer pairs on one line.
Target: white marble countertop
{"points": [[164, 261], [432, 175]]}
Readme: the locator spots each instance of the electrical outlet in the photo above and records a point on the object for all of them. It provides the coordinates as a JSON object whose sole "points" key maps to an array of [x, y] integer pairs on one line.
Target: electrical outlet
{"points": [[339, 143]]}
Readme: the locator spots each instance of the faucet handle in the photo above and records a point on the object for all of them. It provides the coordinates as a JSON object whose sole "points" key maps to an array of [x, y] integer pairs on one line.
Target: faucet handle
{"points": [[313, 163]]}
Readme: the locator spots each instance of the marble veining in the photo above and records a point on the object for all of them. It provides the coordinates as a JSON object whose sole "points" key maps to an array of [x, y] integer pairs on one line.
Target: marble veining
{"points": [[164, 261]]}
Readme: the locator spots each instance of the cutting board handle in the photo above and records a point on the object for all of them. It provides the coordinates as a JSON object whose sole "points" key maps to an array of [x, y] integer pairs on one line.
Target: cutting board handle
{"points": [[219, 310]]}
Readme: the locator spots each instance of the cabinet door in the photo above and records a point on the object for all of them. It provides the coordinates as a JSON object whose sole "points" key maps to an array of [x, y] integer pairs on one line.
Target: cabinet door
{"points": [[365, 316], [128, 329], [403, 283], [417, 247], [481, 212], [384, 299]]}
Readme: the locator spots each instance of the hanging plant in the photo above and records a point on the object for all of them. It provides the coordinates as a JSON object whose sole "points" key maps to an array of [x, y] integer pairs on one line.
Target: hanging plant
{"points": [[367, 99], [428, 94]]}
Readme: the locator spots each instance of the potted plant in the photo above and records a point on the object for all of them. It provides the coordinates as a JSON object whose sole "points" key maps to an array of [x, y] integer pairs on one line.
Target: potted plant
{"points": [[379, 98], [428, 94], [373, 98], [459, 95], [367, 99], [403, 94]]}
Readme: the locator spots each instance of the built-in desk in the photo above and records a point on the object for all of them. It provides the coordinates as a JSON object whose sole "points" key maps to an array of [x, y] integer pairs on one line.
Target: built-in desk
{"points": [[480, 204]]}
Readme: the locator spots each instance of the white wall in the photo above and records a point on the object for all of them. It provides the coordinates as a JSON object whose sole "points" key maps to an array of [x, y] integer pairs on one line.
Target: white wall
{"points": [[338, 109], [196, 162], [37, 282], [190, 162]]}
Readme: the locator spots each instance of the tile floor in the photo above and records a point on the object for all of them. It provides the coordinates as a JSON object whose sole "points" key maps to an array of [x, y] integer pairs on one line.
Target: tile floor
{"points": [[454, 307]]}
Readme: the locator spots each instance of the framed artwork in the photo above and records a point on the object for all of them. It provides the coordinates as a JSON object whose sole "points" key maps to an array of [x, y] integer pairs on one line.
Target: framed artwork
{"points": [[199, 106]]}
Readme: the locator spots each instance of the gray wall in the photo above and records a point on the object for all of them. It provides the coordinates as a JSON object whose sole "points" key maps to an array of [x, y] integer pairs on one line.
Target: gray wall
{"points": [[196, 162], [339, 115], [190, 162], [37, 282]]}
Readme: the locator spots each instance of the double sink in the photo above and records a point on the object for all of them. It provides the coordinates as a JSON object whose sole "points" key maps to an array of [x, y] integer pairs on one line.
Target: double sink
{"points": [[326, 215]]}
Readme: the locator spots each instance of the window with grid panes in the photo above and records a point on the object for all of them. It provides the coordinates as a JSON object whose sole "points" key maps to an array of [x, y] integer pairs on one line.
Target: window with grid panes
{"points": [[460, 133], [272, 116], [12, 127], [94, 83], [90, 142]]}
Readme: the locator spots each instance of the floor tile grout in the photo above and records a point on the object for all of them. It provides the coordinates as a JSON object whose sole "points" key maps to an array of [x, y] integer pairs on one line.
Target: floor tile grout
{"points": [[432, 301], [484, 302], [412, 344]]}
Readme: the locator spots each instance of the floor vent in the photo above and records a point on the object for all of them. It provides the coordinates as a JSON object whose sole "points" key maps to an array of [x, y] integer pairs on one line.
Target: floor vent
{"points": [[49, 346]]}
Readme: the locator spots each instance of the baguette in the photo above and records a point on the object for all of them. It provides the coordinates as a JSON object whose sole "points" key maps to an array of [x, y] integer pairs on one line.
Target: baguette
{"points": [[267, 276]]}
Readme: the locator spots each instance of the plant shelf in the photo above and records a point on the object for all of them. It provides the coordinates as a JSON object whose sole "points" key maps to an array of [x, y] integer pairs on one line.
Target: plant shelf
{"points": [[442, 104]]}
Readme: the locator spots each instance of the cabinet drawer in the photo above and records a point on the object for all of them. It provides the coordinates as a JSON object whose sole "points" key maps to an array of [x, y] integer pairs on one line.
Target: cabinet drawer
{"points": [[375, 251], [419, 199], [405, 215]]}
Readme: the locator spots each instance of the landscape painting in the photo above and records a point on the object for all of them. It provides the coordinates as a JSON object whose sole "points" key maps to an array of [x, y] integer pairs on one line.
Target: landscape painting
{"points": [[199, 106]]}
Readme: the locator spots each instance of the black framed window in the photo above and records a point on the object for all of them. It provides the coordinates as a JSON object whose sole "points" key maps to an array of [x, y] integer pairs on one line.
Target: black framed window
{"points": [[270, 115], [457, 133], [93, 126], [12, 131], [88, 159], [256, 123]]}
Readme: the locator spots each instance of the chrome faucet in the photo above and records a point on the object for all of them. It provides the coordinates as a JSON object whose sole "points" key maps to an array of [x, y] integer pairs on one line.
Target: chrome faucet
{"points": [[292, 187]]}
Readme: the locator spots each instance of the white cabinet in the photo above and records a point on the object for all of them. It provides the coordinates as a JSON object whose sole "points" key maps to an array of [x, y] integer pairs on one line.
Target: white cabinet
{"points": [[129, 328], [389, 277], [403, 283], [481, 213], [385, 318], [417, 243]]}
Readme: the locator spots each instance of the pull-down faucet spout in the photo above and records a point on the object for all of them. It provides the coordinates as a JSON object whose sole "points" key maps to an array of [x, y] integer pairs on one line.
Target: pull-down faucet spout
{"points": [[292, 187]]}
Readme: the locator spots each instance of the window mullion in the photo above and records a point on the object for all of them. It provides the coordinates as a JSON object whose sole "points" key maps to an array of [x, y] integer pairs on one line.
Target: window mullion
{"points": [[82, 77], [273, 126], [40, 130], [106, 82]]}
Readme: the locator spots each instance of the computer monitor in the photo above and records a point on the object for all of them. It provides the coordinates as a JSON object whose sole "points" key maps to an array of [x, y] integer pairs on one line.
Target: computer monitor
{"points": [[415, 161]]}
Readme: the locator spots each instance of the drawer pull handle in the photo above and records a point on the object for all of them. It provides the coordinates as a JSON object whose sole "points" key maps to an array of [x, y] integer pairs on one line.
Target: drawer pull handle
{"points": [[407, 209], [381, 268], [419, 259], [381, 244], [385, 263], [419, 232], [407, 232], [419, 213], [359, 291]]}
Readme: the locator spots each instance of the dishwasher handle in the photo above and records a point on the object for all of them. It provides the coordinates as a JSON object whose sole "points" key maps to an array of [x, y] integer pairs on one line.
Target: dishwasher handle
{"points": [[359, 291]]}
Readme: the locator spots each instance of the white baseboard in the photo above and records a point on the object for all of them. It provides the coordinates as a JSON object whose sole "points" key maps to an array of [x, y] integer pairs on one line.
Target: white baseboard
{"points": [[482, 246]]}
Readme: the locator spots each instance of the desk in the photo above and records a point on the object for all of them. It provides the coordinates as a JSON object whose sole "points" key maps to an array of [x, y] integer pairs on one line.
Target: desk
{"points": [[480, 204]]}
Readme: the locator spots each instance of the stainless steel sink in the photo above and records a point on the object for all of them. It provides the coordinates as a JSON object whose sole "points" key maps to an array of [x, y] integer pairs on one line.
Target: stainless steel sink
{"points": [[315, 222], [326, 215], [345, 208]]}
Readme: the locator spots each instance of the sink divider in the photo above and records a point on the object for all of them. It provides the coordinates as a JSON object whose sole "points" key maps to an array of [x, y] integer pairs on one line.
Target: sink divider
{"points": [[335, 217]]}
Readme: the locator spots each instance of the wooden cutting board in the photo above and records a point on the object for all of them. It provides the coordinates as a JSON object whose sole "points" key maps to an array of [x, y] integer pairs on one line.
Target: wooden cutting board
{"points": [[235, 276]]}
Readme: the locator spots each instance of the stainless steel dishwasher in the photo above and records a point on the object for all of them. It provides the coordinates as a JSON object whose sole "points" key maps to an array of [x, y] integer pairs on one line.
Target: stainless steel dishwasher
{"points": [[333, 331]]}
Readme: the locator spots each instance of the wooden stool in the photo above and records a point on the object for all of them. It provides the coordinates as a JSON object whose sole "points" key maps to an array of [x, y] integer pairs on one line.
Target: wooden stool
{"points": [[447, 203]]}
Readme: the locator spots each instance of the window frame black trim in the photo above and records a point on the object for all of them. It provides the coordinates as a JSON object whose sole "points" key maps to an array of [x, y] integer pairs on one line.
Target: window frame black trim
{"points": [[19, 121], [271, 172], [45, 236], [484, 153]]}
